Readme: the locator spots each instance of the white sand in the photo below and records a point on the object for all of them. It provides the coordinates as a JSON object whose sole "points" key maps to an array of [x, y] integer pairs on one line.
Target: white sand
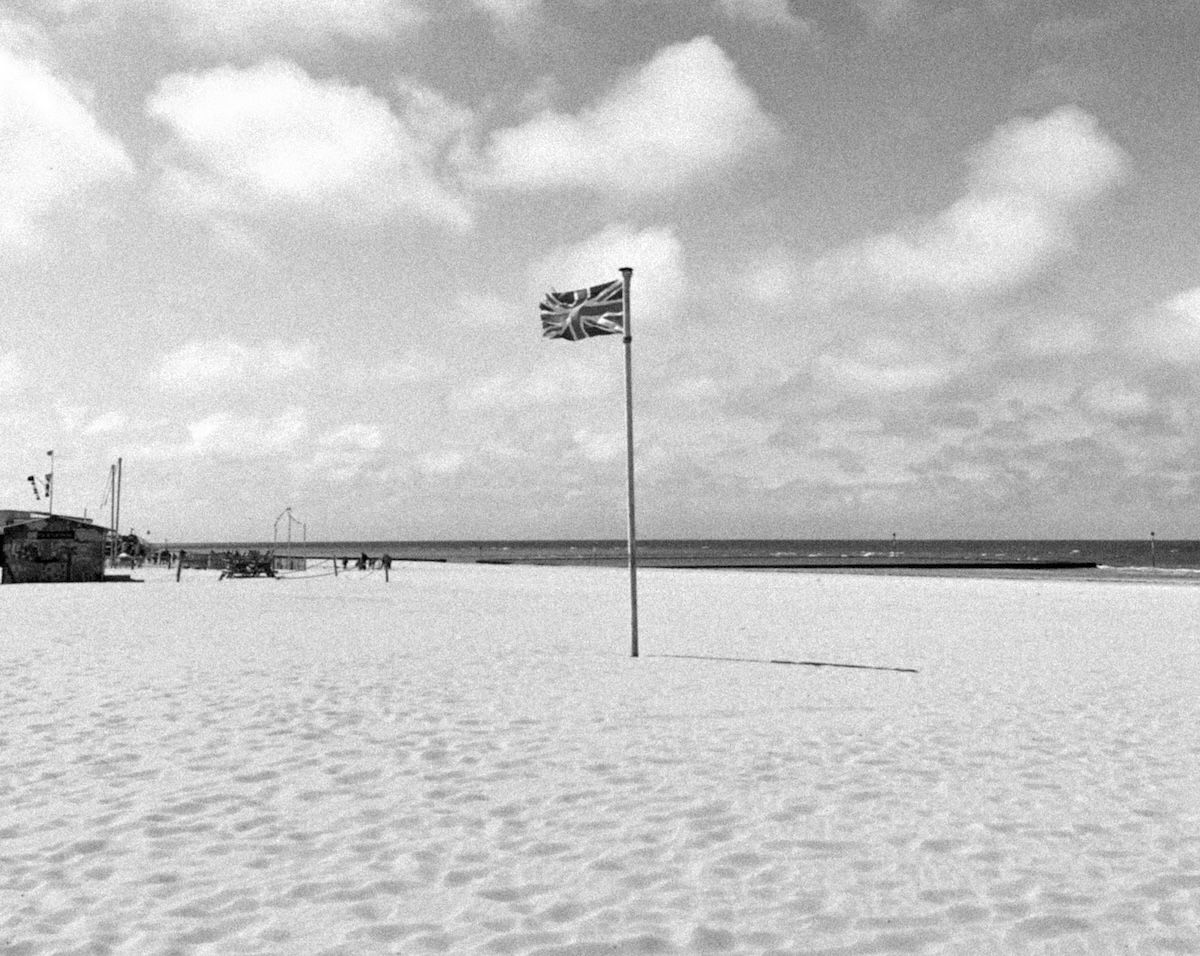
{"points": [[466, 760]]}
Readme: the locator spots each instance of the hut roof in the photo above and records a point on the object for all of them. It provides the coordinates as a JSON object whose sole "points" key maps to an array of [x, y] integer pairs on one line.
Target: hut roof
{"points": [[18, 519]]}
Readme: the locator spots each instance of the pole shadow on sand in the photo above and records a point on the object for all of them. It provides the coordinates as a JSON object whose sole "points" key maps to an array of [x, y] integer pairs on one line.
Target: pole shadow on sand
{"points": [[764, 660]]}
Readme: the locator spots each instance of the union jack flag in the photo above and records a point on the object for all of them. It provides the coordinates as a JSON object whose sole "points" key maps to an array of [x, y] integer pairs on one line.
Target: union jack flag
{"points": [[598, 310]]}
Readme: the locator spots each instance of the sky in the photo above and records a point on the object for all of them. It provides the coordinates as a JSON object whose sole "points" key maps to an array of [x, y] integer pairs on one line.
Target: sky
{"points": [[900, 266]]}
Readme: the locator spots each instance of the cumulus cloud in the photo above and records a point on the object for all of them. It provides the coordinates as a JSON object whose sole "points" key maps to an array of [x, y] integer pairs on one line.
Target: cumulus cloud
{"points": [[201, 364], [52, 151], [682, 117], [656, 254], [1019, 212], [1060, 159], [272, 138]]}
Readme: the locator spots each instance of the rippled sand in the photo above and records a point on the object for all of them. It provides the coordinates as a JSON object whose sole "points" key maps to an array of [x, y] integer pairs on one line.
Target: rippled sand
{"points": [[467, 760]]}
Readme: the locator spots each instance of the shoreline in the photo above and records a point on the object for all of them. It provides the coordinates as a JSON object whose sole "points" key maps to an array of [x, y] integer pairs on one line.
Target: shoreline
{"points": [[987, 556], [1016, 570]]}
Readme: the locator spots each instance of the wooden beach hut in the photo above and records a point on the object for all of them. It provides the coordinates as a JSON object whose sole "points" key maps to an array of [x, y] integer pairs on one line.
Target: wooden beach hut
{"points": [[44, 548]]}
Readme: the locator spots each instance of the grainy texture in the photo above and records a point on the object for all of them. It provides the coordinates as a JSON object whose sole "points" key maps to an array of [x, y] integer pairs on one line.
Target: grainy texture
{"points": [[466, 759]]}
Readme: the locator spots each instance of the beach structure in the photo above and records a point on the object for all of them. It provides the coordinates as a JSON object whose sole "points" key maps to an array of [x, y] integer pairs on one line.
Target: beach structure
{"points": [[38, 547]]}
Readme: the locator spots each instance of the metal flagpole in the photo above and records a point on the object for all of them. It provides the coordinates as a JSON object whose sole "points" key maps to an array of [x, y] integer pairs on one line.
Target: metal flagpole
{"points": [[626, 275], [117, 515], [50, 483]]}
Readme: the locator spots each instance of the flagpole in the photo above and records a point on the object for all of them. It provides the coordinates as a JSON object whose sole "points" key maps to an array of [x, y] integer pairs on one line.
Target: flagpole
{"points": [[626, 275]]}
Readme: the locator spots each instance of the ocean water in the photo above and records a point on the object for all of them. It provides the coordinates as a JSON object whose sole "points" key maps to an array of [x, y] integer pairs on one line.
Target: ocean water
{"points": [[1180, 556]]}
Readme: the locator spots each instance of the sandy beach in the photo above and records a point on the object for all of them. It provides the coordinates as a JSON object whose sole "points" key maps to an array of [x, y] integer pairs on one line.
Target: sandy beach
{"points": [[466, 759]]}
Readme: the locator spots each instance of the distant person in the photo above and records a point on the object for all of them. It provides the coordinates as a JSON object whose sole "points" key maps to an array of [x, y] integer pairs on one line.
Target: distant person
{"points": [[362, 562], [345, 563], [386, 561]]}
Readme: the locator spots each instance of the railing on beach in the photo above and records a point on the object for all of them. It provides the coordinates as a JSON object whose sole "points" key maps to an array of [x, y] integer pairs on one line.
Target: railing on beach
{"points": [[238, 564], [220, 561]]}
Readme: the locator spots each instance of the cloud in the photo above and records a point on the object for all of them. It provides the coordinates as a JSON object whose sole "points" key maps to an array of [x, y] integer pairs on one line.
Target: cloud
{"points": [[573, 378], [230, 436], [13, 375], [341, 455], [683, 117], [412, 369], [25, 40], [225, 435], [1170, 332], [1073, 31], [440, 128], [862, 378], [249, 25], [441, 464], [508, 11], [105, 424], [354, 437], [599, 446], [271, 139], [1114, 398], [482, 309], [1018, 213], [305, 22], [659, 281], [1056, 337], [52, 151], [201, 364], [768, 13], [1060, 159]]}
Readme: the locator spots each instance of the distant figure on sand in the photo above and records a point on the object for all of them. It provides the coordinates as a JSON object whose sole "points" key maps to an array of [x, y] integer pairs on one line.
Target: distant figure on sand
{"points": [[386, 561], [362, 562]]}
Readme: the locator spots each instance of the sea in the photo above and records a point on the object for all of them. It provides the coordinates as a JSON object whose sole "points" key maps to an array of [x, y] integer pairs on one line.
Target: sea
{"points": [[1178, 559]]}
